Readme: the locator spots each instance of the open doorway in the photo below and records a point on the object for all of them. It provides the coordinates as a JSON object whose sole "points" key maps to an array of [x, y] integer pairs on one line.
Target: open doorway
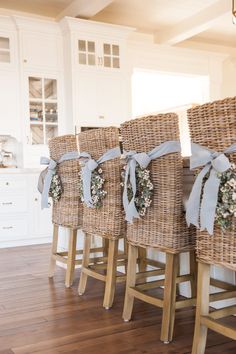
{"points": [[160, 92]]}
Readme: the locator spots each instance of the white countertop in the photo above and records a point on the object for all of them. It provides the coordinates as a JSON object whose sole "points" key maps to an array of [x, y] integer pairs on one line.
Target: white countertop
{"points": [[6, 171]]}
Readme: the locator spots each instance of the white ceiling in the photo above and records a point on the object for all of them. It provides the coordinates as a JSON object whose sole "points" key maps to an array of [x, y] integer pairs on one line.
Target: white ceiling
{"points": [[171, 21]]}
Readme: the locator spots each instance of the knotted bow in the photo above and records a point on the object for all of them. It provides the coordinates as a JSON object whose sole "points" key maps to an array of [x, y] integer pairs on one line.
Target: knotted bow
{"points": [[51, 170], [214, 163], [89, 166], [143, 159]]}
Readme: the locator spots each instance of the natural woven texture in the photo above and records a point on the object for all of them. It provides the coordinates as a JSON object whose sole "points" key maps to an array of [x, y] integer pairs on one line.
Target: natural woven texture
{"points": [[68, 210], [213, 125], [107, 221], [164, 224]]}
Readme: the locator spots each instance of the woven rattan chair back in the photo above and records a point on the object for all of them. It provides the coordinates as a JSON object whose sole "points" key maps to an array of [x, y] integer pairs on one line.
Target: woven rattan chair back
{"points": [[107, 221], [68, 210], [164, 224], [213, 125]]}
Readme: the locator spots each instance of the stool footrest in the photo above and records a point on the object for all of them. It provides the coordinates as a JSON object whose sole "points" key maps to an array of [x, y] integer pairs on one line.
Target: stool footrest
{"points": [[218, 327]]}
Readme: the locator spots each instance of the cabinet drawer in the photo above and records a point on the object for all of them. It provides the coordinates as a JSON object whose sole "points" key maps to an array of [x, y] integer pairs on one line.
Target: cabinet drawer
{"points": [[13, 228], [13, 185], [12, 204]]}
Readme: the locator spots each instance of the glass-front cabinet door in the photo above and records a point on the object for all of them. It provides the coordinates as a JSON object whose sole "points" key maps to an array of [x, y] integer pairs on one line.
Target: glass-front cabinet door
{"points": [[43, 112], [111, 55], [98, 54], [4, 50], [86, 52]]}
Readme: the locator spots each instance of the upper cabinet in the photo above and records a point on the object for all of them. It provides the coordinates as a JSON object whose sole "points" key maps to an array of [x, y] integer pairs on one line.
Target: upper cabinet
{"points": [[101, 54], [9, 80], [97, 84], [5, 53], [40, 44]]}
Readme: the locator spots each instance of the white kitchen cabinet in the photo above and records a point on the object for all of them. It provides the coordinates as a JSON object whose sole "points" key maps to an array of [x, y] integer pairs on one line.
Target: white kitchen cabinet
{"points": [[9, 103], [97, 84], [9, 80], [41, 224], [22, 222], [101, 53], [40, 44], [101, 100]]}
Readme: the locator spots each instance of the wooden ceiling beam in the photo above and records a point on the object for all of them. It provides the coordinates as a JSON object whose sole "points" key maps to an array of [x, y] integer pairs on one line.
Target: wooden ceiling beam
{"points": [[84, 8], [194, 25]]}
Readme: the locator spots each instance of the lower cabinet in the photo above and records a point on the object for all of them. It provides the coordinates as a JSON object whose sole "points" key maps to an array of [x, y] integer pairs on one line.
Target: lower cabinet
{"points": [[22, 222]]}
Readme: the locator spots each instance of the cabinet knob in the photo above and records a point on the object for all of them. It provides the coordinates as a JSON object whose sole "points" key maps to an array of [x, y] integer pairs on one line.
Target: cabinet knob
{"points": [[101, 117], [7, 183], [35, 199], [25, 60]]}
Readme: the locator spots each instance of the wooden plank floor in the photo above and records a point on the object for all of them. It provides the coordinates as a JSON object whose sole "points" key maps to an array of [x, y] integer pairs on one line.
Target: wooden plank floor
{"points": [[41, 316]]}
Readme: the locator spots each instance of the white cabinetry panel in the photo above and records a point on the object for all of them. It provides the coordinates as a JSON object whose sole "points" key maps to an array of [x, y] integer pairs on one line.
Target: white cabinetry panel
{"points": [[40, 50], [22, 222], [9, 107]]}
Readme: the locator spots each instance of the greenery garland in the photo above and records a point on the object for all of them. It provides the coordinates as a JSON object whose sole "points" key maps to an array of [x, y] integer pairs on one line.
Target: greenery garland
{"points": [[55, 190], [97, 191], [226, 205], [144, 192]]}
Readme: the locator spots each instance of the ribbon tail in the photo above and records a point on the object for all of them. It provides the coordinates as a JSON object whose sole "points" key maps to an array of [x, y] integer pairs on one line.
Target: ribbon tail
{"points": [[86, 175], [131, 210], [46, 188], [193, 203], [209, 202]]}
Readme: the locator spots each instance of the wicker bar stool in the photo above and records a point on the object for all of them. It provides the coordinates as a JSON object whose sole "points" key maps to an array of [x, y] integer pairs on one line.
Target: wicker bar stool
{"points": [[106, 221], [67, 212], [163, 228], [213, 125]]}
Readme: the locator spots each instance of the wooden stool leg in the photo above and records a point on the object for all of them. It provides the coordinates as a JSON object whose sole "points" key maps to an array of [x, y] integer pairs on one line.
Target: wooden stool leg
{"points": [[71, 258], [85, 263], [168, 316], [126, 254], [130, 282], [200, 332], [193, 272], [142, 255], [111, 274], [178, 273], [105, 245], [53, 251]]}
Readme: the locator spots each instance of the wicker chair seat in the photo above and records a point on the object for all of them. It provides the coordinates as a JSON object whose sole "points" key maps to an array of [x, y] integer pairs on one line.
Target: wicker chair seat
{"points": [[213, 125], [107, 221], [164, 224], [68, 210]]}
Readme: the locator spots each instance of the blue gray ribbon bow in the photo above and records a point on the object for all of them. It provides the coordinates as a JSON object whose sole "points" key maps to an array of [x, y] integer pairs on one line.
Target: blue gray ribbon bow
{"points": [[143, 159], [214, 163], [51, 170], [89, 166]]}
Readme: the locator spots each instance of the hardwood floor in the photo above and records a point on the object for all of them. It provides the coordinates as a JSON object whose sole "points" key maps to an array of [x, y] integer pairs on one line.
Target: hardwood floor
{"points": [[41, 316]]}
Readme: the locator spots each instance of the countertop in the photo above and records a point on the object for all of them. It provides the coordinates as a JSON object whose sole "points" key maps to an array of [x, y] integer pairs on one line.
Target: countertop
{"points": [[6, 171]]}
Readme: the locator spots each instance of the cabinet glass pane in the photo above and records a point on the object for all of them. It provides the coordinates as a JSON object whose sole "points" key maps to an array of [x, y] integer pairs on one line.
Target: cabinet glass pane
{"points": [[82, 46], [51, 132], [4, 43], [50, 89], [91, 59], [36, 111], [51, 112], [115, 50], [4, 56], [107, 48], [91, 47], [107, 62], [116, 63], [35, 87], [82, 58], [36, 134]]}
